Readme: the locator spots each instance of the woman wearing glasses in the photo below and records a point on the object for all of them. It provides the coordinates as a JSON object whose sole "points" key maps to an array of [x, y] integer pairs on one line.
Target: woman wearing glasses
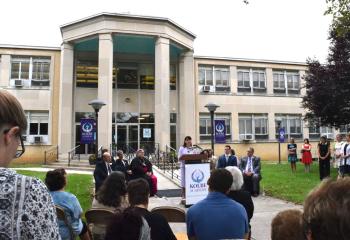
{"points": [[24, 200]]}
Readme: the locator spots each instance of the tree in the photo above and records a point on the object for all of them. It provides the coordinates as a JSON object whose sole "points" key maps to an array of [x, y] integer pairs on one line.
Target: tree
{"points": [[327, 85]]}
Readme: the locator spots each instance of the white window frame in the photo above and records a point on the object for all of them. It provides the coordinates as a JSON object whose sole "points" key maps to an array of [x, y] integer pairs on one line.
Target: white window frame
{"points": [[252, 118], [327, 131], [217, 116], [37, 117], [214, 72], [251, 72], [295, 75], [286, 123]]}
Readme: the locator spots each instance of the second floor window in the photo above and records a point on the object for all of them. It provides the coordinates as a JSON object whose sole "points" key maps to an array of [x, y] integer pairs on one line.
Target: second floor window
{"points": [[216, 77], [286, 82], [251, 80]]}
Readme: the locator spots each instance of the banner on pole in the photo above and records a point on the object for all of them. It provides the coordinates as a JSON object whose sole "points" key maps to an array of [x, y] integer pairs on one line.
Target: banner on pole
{"points": [[281, 135], [87, 130], [220, 131]]}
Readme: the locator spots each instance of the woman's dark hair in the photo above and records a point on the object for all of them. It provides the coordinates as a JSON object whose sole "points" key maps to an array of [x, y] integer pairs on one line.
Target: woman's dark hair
{"points": [[112, 190], [124, 226], [307, 140], [233, 151], [186, 138], [323, 138], [56, 179]]}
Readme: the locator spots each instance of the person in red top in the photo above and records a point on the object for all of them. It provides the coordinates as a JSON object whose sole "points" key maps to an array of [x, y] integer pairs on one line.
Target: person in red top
{"points": [[306, 154]]}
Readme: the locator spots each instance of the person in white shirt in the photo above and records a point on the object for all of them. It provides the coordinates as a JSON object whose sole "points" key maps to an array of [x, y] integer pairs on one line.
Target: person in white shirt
{"points": [[338, 153], [250, 166], [344, 166], [186, 148]]}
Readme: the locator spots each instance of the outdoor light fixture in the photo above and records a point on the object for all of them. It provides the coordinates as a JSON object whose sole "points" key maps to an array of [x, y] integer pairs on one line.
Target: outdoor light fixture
{"points": [[211, 108], [97, 104]]}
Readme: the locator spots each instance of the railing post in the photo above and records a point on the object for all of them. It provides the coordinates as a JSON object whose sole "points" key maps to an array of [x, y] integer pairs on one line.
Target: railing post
{"points": [[45, 157], [172, 168], [57, 154], [68, 159]]}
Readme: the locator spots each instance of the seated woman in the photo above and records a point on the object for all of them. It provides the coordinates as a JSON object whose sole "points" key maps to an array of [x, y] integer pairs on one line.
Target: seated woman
{"points": [[56, 181], [240, 195], [112, 193]]}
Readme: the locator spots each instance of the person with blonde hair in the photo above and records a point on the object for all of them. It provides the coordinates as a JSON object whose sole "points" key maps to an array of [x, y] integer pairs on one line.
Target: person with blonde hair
{"points": [[286, 225], [28, 211]]}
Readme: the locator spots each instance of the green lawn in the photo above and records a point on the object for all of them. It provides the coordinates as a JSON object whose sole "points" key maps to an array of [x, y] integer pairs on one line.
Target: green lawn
{"points": [[78, 184], [279, 181]]}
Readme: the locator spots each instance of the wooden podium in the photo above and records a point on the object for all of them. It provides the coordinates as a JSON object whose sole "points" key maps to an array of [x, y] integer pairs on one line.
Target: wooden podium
{"points": [[194, 158]]}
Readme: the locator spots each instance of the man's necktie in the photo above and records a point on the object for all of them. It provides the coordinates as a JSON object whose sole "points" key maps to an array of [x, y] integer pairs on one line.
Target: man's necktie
{"points": [[249, 164]]}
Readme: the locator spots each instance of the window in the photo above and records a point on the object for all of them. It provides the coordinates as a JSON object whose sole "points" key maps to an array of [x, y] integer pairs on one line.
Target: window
{"points": [[344, 129], [38, 129], [205, 125], [286, 82], [173, 130], [314, 132], [30, 71], [87, 74], [253, 126], [173, 75], [215, 76], [127, 78], [251, 80], [292, 125], [327, 131]]}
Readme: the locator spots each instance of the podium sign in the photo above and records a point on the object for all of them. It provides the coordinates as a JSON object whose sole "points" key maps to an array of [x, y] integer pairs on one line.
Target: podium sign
{"points": [[197, 176]]}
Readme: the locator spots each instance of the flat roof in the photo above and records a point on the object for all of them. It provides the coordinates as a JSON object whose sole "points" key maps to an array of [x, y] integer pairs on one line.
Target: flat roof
{"points": [[30, 47], [124, 15], [251, 60]]}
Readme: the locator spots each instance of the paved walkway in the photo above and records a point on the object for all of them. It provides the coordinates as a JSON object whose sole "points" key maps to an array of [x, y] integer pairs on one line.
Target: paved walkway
{"points": [[265, 207]]}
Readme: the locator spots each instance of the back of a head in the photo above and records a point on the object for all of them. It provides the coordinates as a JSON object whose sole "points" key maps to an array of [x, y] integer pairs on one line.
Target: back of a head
{"points": [[138, 192], [237, 177], [220, 181], [128, 225], [11, 111], [55, 180], [327, 211], [286, 225]]}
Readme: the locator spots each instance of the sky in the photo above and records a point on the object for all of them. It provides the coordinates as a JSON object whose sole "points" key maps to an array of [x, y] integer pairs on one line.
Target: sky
{"points": [[287, 30]]}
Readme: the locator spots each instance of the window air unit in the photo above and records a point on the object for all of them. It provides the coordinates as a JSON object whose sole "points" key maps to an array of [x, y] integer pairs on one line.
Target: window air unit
{"points": [[18, 83], [37, 139], [246, 137], [206, 88]]}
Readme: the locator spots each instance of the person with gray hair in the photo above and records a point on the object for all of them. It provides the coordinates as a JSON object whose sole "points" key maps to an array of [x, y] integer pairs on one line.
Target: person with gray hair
{"points": [[240, 195]]}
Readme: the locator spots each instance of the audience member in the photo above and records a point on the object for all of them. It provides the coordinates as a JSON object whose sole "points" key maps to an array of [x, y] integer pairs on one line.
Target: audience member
{"points": [[102, 170], [292, 154], [251, 166], [286, 225], [56, 180], [227, 159], [327, 210], [217, 216], [337, 151], [238, 194], [324, 153], [306, 157], [121, 165], [138, 195], [128, 225], [141, 167], [27, 209], [344, 166], [112, 193]]}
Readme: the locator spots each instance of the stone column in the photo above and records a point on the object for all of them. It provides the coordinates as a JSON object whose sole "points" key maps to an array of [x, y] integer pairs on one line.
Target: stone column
{"points": [[66, 110], [161, 98], [235, 126], [272, 126], [105, 89], [233, 79], [188, 118], [5, 64], [269, 81]]}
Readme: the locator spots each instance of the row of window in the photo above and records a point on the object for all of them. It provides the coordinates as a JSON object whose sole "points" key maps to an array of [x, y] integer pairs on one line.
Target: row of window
{"points": [[255, 127], [38, 127], [252, 80]]}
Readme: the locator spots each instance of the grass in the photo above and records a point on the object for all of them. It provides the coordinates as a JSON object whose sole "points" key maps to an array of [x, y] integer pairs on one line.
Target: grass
{"points": [[279, 181], [78, 184]]}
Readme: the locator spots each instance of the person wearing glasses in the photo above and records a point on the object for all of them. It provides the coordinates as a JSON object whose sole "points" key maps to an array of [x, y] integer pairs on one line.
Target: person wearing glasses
{"points": [[24, 200]]}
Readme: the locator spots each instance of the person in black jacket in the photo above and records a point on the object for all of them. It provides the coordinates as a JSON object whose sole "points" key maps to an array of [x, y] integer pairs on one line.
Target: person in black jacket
{"points": [[121, 165], [240, 195], [102, 170], [138, 192], [141, 167]]}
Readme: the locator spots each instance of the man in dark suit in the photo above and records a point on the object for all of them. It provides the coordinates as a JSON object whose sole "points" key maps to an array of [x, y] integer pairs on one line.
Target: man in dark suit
{"points": [[227, 159], [121, 165], [102, 170], [250, 167]]}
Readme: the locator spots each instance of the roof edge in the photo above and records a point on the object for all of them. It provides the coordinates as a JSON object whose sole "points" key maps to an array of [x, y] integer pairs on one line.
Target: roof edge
{"points": [[29, 47]]}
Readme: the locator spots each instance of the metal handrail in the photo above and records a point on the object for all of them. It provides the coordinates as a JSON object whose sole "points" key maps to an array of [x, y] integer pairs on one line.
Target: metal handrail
{"points": [[52, 151], [72, 153]]}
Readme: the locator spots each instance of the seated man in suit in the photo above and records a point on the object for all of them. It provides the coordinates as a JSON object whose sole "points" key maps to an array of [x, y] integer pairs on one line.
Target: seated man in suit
{"points": [[227, 159], [250, 167], [102, 170], [120, 164]]}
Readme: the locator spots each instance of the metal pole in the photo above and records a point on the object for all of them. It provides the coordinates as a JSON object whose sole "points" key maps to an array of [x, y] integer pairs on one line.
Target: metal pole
{"points": [[279, 143], [212, 130], [96, 145]]}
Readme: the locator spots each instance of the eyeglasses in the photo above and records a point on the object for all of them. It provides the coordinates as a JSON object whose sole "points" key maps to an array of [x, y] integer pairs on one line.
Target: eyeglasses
{"points": [[21, 149]]}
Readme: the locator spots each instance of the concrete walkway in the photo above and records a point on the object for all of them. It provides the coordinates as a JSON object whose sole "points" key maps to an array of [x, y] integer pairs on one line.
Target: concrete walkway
{"points": [[265, 207]]}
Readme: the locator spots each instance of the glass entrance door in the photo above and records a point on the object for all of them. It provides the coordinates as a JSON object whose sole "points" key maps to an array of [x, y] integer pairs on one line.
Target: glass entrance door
{"points": [[127, 137]]}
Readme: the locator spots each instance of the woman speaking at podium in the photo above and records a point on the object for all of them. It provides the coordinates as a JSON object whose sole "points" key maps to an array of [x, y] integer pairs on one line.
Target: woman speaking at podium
{"points": [[186, 148]]}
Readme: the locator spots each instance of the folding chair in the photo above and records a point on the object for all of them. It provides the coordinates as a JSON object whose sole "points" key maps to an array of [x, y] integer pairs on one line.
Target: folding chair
{"points": [[61, 215], [171, 214], [98, 220]]}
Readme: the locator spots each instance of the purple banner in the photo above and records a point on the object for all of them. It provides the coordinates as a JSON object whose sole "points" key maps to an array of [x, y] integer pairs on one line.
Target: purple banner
{"points": [[220, 131], [87, 130]]}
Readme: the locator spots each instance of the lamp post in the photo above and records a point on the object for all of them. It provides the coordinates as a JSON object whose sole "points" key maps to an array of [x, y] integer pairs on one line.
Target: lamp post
{"points": [[97, 104], [279, 121], [211, 108]]}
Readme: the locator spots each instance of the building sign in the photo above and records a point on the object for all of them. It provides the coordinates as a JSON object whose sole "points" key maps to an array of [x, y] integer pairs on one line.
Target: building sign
{"points": [[147, 133], [281, 135], [220, 131], [87, 130], [196, 176]]}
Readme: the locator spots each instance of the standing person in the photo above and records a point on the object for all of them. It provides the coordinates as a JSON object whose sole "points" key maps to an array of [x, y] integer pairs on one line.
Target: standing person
{"points": [[24, 200], [186, 148], [227, 159], [292, 154], [56, 181], [102, 170], [306, 157], [324, 153], [217, 216], [344, 167], [337, 149]]}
